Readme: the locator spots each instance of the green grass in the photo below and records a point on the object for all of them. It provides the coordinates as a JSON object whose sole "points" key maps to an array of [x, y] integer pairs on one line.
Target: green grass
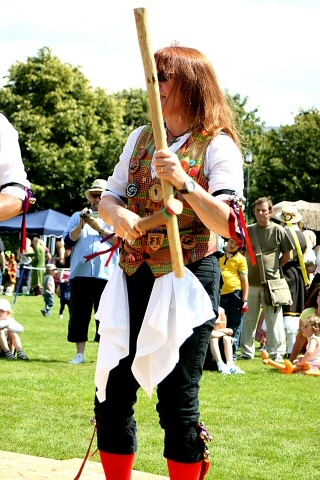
{"points": [[265, 424]]}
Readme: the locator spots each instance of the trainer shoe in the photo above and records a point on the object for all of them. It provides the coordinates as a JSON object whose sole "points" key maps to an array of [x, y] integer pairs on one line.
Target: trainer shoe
{"points": [[278, 358], [224, 369], [236, 369], [9, 355], [61, 317], [79, 358], [22, 356], [44, 313], [245, 357]]}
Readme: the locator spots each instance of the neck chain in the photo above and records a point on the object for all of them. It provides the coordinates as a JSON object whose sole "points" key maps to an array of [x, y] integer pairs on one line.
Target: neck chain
{"points": [[175, 138]]}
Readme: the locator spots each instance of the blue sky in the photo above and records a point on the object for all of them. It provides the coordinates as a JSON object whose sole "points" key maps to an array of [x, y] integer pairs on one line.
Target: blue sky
{"points": [[266, 50]]}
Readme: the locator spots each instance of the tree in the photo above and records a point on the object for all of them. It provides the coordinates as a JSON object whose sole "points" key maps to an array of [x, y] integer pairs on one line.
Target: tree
{"points": [[70, 134], [136, 107], [251, 131], [288, 164]]}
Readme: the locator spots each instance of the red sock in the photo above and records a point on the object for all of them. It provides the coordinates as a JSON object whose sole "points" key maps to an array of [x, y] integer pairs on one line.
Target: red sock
{"points": [[186, 471], [116, 466]]}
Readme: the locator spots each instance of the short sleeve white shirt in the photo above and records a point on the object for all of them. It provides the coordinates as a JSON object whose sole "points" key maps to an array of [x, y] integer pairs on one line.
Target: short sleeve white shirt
{"points": [[223, 166], [11, 165]]}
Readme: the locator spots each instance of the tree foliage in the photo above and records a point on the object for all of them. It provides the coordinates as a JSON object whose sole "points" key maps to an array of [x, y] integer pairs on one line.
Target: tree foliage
{"points": [[249, 125], [288, 164], [70, 134], [136, 107]]}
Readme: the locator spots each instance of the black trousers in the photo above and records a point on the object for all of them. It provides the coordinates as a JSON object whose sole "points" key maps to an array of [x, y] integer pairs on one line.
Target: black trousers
{"points": [[85, 293], [178, 403]]}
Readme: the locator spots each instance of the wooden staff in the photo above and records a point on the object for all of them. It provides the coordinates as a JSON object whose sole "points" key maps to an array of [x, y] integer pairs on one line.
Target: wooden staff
{"points": [[158, 131], [174, 207]]}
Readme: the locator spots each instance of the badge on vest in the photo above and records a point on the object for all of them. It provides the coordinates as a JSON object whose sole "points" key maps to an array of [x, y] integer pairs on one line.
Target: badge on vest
{"points": [[156, 193], [134, 165], [188, 242], [132, 189], [155, 241]]}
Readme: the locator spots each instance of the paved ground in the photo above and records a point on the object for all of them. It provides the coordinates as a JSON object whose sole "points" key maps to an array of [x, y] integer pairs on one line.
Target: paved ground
{"points": [[15, 466]]}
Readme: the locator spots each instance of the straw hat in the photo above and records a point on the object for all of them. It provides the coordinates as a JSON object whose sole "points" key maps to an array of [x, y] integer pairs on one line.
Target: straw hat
{"points": [[98, 185], [289, 214]]}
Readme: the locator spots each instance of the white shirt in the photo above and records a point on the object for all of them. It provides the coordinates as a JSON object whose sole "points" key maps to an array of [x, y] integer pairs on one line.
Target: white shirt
{"points": [[223, 166], [11, 165]]}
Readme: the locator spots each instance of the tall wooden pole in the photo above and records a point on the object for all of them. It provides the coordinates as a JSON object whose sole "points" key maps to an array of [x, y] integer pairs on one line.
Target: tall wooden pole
{"points": [[158, 131]]}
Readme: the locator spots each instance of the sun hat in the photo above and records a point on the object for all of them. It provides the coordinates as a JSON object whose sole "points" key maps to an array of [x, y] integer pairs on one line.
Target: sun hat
{"points": [[51, 267], [311, 236], [98, 185], [5, 305], [289, 214]]}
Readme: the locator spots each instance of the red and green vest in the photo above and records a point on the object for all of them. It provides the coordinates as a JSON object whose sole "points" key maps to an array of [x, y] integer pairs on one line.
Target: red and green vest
{"points": [[197, 241]]}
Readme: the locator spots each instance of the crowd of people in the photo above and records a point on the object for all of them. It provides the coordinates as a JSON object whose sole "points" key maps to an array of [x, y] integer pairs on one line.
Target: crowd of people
{"points": [[153, 329]]}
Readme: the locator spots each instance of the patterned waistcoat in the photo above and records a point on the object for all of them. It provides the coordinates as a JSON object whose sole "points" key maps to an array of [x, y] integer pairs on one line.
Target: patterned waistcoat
{"points": [[197, 241]]}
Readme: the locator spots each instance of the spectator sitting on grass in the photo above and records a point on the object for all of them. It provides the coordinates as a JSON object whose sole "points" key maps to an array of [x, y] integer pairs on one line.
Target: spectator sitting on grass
{"points": [[9, 333], [311, 331], [221, 345]]}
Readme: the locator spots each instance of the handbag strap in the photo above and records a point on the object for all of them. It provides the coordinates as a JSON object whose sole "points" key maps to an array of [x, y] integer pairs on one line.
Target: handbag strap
{"points": [[258, 254]]}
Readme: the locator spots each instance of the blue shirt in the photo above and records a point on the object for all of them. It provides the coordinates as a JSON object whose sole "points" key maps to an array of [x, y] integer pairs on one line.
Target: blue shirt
{"points": [[90, 242]]}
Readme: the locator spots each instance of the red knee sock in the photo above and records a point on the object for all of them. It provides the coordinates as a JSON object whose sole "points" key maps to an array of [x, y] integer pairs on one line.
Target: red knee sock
{"points": [[187, 471], [116, 466]]}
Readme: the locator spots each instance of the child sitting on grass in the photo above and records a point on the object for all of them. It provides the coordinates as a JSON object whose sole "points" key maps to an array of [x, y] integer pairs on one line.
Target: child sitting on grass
{"points": [[9, 333], [49, 289], [221, 345], [311, 331]]}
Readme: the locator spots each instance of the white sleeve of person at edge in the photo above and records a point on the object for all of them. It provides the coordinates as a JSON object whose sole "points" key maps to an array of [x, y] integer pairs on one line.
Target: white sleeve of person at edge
{"points": [[176, 306]]}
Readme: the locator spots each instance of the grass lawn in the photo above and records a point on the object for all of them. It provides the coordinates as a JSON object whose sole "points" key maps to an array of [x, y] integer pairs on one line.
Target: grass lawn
{"points": [[265, 424]]}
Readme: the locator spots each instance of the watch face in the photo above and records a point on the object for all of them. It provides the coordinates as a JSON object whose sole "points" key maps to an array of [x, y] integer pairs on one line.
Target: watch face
{"points": [[190, 185]]}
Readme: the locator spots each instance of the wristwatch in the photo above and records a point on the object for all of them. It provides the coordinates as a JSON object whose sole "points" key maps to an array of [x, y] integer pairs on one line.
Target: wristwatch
{"points": [[189, 186]]}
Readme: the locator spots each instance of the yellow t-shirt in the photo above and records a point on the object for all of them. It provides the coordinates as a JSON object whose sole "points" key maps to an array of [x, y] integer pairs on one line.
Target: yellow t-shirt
{"points": [[231, 267]]}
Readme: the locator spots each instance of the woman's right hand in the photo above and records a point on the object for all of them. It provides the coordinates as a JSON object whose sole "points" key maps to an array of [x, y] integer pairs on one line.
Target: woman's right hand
{"points": [[122, 219]]}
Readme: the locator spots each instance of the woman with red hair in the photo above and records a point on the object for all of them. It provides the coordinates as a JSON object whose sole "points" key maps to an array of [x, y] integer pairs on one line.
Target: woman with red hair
{"points": [[155, 329]]}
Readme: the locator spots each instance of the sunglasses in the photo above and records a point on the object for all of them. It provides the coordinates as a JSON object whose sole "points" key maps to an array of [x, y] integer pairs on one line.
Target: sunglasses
{"points": [[95, 195], [164, 78]]}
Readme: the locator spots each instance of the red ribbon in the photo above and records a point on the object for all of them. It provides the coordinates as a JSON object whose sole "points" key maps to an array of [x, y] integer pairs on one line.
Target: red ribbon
{"points": [[111, 250], [86, 456], [247, 236], [26, 204]]}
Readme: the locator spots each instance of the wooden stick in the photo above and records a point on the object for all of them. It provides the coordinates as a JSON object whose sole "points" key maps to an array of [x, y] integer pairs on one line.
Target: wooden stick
{"points": [[158, 131], [174, 207]]}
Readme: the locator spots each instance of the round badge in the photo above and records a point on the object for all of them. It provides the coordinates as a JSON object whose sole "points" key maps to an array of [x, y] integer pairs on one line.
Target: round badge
{"points": [[132, 189], [192, 163], [185, 165], [155, 193], [193, 172], [188, 242]]}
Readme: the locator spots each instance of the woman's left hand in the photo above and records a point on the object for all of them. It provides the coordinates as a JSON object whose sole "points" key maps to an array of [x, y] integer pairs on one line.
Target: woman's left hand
{"points": [[168, 167]]}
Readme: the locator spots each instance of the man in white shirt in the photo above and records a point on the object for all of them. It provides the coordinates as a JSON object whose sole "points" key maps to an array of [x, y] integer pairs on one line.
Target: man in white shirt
{"points": [[13, 178]]}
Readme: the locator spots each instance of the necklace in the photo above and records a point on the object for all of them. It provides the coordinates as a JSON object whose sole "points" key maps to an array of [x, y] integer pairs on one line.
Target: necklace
{"points": [[175, 138]]}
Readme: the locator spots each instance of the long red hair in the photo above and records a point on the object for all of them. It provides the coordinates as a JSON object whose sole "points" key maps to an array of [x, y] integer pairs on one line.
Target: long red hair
{"points": [[196, 81]]}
